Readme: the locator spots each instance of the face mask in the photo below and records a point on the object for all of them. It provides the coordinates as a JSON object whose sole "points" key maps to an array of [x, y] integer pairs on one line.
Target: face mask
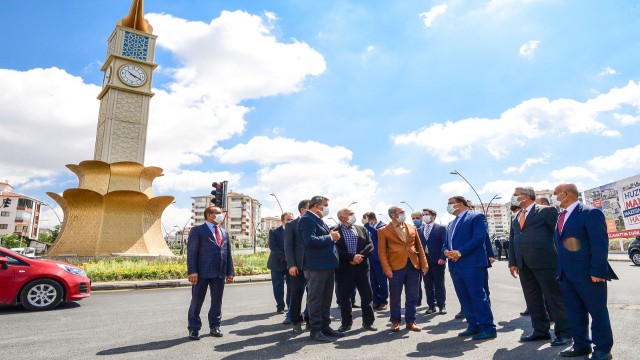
{"points": [[514, 201], [352, 219], [364, 221], [219, 218], [402, 217], [325, 211], [451, 208], [554, 200], [427, 219], [417, 223]]}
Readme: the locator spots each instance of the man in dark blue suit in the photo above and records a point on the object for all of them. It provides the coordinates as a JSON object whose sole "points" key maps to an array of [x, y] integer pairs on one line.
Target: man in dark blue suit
{"points": [[294, 252], [277, 263], [379, 281], [354, 248], [583, 270], [432, 237], [465, 247], [209, 264], [320, 262]]}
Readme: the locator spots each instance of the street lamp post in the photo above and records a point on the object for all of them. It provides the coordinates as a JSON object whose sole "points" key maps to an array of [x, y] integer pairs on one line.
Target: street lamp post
{"points": [[455, 172], [54, 211], [334, 220], [406, 203], [182, 235], [274, 195], [385, 216], [353, 202]]}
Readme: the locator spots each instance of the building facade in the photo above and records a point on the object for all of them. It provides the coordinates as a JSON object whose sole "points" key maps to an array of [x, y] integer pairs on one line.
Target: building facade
{"points": [[19, 214]]}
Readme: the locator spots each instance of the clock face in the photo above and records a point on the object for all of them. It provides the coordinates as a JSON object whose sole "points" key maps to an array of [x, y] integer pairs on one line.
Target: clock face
{"points": [[107, 76], [132, 75]]}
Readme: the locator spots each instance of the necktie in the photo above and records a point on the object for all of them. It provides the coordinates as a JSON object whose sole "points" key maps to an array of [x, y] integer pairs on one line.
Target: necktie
{"points": [[427, 231], [523, 216], [452, 228], [561, 221], [218, 235]]}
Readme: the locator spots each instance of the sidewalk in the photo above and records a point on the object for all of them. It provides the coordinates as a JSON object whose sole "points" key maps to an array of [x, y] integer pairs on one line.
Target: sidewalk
{"points": [[151, 284], [619, 256]]}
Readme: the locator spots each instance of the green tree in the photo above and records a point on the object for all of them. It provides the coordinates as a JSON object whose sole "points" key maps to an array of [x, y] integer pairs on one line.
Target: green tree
{"points": [[10, 241], [50, 238]]}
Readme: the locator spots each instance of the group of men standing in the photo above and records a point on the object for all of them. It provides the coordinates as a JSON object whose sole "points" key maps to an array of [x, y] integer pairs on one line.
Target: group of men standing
{"points": [[561, 261]]}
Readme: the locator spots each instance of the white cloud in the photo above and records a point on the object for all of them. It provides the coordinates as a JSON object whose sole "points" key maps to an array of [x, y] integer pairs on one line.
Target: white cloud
{"points": [[296, 170], [628, 158], [609, 71], [430, 16], [627, 119], [527, 49], [191, 181], [396, 171], [527, 163], [175, 216], [540, 116], [453, 188], [573, 174]]}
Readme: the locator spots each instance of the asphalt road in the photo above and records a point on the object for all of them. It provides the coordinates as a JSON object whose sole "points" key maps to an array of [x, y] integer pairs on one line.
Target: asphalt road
{"points": [[151, 324]]}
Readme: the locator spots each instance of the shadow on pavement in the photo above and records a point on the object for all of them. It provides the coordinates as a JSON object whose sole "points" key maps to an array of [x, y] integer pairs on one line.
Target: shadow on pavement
{"points": [[246, 318], [150, 346], [18, 309]]}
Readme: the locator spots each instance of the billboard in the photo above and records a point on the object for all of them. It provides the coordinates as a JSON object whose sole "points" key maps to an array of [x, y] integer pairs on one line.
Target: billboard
{"points": [[620, 203]]}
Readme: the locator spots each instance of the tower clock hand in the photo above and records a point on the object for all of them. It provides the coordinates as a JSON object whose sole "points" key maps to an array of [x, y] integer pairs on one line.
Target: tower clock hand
{"points": [[132, 74]]}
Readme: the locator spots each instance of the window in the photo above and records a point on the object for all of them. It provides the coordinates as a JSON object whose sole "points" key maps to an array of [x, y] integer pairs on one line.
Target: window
{"points": [[26, 203], [4, 226], [5, 213]]}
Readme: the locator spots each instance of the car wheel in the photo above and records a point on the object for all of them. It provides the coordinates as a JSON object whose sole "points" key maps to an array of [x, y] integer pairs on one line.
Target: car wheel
{"points": [[42, 294], [635, 257]]}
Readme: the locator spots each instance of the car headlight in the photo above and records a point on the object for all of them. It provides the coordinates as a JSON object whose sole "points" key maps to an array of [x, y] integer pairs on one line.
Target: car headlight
{"points": [[72, 270]]}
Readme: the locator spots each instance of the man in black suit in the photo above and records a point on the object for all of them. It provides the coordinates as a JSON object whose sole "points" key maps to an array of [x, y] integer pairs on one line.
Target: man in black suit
{"points": [[209, 264], [533, 256], [432, 237], [294, 252], [354, 248], [498, 244], [277, 263], [320, 262]]}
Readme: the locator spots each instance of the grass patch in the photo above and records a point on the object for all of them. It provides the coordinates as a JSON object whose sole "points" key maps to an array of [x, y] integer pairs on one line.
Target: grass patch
{"points": [[127, 269]]}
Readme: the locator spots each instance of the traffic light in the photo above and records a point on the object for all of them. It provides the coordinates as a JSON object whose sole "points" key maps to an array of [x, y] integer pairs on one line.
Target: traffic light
{"points": [[6, 202], [219, 193]]}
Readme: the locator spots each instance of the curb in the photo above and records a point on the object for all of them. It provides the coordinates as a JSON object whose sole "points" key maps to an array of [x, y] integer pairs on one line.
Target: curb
{"points": [[154, 284]]}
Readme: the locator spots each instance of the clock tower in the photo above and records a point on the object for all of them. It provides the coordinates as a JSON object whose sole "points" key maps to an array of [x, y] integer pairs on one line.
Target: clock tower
{"points": [[126, 90]]}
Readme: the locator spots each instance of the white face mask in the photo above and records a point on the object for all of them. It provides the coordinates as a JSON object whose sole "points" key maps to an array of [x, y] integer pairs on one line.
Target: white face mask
{"points": [[352, 219], [514, 201], [325, 211], [427, 219], [402, 217], [451, 208], [554, 200], [219, 218]]}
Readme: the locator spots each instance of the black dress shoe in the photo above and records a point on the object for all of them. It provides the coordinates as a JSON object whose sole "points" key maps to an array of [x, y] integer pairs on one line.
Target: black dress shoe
{"points": [[279, 311], [355, 306], [331, 332], [485, 335], [215, 331], [430, 311], [369, 327], [344, 328], [573, 352], [286, 321], [469, 332], [561, 341], [297, 328], [443, 311], [599, 355], [319, 336], [194, 335], [459, 315], [525, 313], [535, 337]]}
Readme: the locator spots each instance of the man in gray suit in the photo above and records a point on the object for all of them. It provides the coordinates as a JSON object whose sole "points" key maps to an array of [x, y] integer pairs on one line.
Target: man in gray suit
{"points": [[533, 255]]}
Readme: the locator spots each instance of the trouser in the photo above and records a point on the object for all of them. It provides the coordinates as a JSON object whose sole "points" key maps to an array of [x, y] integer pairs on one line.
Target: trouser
{"points": [[298, 285], [582, 299], [409, 278], [469, 284], [198, 294], [379, 283], [434, 286], [278, 280], [347, 280], [319, 296], [540, 286]]}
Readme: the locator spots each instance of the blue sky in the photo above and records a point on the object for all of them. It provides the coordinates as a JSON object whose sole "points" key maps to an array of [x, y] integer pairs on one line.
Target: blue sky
{"points": [[367, 101]]}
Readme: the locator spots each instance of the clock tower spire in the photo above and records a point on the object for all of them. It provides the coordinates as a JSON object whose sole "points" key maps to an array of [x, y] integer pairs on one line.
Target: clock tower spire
{"points": [[126, 90]]}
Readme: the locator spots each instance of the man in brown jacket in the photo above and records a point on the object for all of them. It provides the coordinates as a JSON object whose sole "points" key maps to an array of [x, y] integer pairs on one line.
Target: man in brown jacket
{"points": [[402, 258]]}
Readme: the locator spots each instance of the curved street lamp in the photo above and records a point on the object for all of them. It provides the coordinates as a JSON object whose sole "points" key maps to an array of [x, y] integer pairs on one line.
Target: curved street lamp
{"points": [[353, 202], [54, 211], [406, 203], [334, 220], [385, 216], [455, 172], [274, 195]]}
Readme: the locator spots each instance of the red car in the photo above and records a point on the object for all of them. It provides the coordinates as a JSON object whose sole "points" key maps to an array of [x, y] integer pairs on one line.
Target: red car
{"points": [[39, 284]]}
